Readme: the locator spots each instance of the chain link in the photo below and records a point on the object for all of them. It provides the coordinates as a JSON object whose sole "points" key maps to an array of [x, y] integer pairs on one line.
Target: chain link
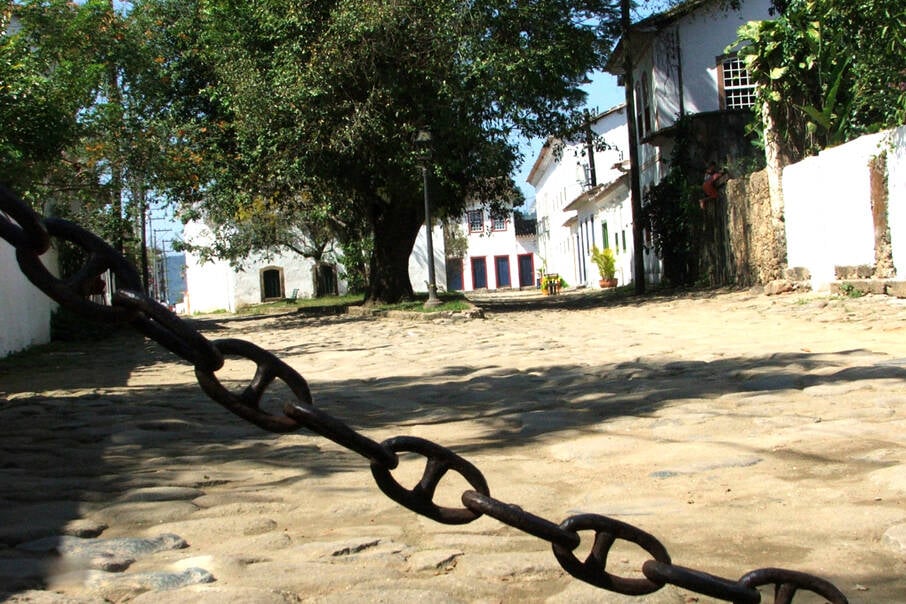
{"points": [[25, 230]]}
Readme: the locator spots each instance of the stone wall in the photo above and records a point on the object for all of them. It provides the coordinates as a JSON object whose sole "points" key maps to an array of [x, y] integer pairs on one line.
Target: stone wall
{"points": [[756, 244]]}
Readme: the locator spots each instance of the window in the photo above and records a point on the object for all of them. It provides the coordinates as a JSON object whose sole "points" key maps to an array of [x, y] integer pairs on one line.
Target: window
{"points": [[604, 238], [476, 221], [736, 89], [498, 224]]}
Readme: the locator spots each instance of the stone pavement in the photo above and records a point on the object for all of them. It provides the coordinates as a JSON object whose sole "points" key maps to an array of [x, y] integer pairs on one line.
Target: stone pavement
{"points": [[743, 431]]}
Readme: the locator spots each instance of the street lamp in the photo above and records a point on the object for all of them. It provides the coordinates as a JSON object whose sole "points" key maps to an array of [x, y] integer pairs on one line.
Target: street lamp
{"points": [[423, 144]]}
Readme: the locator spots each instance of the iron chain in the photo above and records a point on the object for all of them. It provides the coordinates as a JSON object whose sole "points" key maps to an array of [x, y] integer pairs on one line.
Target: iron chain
{"points": [[30, 235]]}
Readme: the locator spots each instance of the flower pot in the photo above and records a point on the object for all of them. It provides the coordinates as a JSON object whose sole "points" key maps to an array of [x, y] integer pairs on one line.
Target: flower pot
{"points": [[606, 283]]}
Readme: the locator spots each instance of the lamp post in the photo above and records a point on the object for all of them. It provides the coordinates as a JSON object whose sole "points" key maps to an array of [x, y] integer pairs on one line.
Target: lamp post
{"points": [[423, 143]]}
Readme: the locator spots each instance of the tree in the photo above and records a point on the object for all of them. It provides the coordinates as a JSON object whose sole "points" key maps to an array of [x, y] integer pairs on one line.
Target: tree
{"points": [[828, 70], [47, 76], [79, 137], [328, 95], [300, 225]]}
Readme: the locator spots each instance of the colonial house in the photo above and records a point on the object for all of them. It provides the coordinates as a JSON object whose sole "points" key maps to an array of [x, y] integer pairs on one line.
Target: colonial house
{"points": [[499, 252], [681, 70], [582, 200], [215, 285]]}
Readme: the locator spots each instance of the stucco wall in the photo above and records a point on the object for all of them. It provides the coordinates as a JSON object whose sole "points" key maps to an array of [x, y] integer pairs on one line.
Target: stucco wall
{"points": [[828, 212], [704, 35], [828, 220], [209, 286], [24, 310], [558, 181], [217, 286], [418, 260], [617, 214]]}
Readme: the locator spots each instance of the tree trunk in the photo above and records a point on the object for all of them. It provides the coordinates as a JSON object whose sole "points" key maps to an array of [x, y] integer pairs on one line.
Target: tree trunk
{"points": [[395, 227]]}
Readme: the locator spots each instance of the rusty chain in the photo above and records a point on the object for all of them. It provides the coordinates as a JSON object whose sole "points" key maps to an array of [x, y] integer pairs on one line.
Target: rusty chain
{"points": [[31, 235]]}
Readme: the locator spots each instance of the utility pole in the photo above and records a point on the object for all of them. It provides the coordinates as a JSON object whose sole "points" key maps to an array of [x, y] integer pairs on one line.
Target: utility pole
{"points": [[164, 277], [143, 213], [592, 179], [160, 260], [635, 188], [115, 99]]}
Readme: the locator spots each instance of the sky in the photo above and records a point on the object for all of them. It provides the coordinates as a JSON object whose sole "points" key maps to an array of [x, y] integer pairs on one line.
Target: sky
{"points": [[603, 93]]}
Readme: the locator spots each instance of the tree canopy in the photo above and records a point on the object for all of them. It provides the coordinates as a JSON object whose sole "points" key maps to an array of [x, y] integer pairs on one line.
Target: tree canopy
{"points": [[322, 100], [829, 70]]}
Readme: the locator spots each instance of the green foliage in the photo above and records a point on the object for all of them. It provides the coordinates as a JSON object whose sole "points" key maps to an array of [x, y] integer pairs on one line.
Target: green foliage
{"points": [[829, 70], [80, 135], [356, 253], [605, 262], [328, 96], [673, 218], [851, 291], [456, 241]]}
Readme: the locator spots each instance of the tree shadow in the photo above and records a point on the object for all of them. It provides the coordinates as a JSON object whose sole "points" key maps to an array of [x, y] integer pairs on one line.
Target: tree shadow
{"points": [[579, 299], [61, 452]]}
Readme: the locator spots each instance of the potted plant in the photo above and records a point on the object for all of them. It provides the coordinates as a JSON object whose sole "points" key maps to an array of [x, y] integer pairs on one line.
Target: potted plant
{"points": [[607, 266], [552, 283]]}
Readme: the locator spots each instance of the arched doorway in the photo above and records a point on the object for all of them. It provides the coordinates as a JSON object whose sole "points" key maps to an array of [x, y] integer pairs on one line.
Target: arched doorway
{"points": [[271, 278]]}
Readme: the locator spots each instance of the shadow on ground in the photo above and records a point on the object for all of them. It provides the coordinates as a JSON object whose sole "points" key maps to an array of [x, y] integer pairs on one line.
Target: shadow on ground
{"points": [[68, 441]]}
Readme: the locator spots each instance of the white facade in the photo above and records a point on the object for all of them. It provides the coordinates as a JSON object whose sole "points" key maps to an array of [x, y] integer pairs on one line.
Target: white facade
{"points": [[678, 61], [215, 285], [418, 263], [574, 214], [828, 207], [603, 219], [24, 309], [497, 257]]}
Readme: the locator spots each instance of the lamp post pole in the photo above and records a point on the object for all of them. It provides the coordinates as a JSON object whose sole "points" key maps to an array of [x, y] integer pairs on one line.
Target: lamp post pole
{"points": [[424, 141]]}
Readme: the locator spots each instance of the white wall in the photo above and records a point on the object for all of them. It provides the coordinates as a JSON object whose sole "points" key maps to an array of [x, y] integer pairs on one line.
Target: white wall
{"points": [[297, 275], [24, 310], [617, 213], [209, 286], [217, 286], [556, 187], [704, 35], [828, 212], [418, 260], [558, 182]]}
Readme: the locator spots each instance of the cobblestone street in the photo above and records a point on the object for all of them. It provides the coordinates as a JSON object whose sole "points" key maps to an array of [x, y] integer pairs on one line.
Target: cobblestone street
{"points": [[743, 431]]}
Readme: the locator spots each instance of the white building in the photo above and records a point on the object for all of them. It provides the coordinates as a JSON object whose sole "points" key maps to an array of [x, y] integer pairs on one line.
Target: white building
{"points": [[501, 252], [681, 69], [215, 285], [582, 200]]}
